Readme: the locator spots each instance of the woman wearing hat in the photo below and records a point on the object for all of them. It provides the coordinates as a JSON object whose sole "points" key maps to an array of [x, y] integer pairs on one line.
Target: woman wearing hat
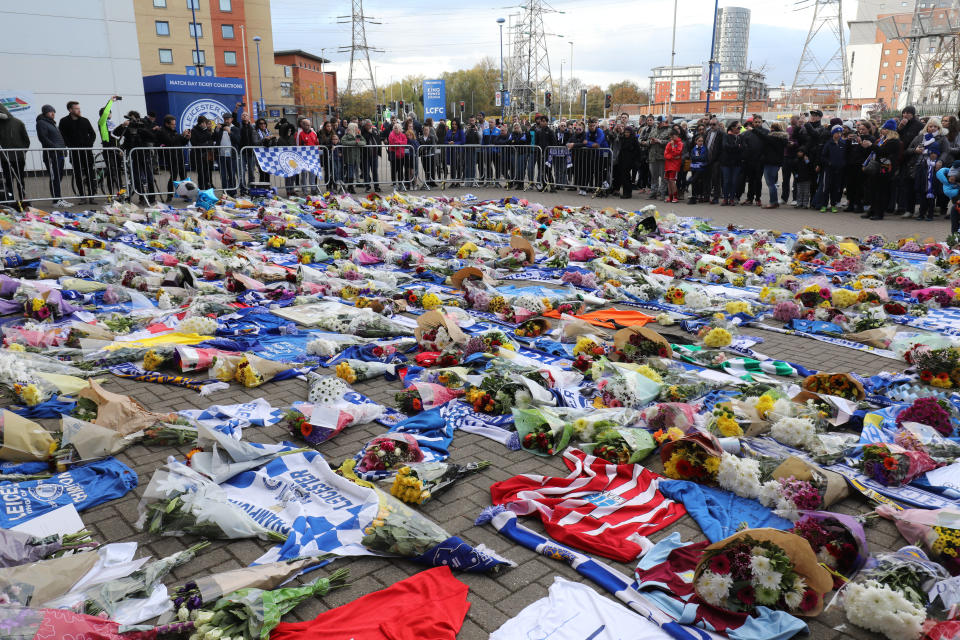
{"points": [[881, 165]]}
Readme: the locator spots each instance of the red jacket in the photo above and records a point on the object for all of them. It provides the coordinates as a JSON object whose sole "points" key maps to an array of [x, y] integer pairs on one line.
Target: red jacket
{"points": [[398, 138], [307, 138], [671, 155]]}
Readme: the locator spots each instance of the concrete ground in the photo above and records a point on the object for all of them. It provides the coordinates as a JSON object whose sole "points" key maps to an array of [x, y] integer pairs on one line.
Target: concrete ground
{"points": [[493, 599]]}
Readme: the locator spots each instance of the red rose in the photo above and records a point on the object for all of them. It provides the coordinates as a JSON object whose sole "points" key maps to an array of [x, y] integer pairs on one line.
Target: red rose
{"points": [[720, 564]]}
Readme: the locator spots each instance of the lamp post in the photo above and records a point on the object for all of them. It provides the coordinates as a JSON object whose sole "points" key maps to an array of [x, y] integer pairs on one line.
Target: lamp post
{"points": [[500, 22], [323, 77], [710, 63], [196, 39], [560, 100], [570, 94], [259, 75]]}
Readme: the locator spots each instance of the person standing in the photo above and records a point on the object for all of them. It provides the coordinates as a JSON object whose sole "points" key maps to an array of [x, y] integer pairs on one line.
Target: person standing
{"points": [[789, 166], [371, 156], [833, 159], [168, 136], [307, 137], [752, 171], [201, 139], [714, 179], [672, 160], [884, 161], [658, 141], [774, 145], [625, 161], [51, 139], [287, 137], [112, 160], [226, 138], [352, 143], [699, 176], [13, 141], [853, 173], [731, 160], [397, 142], [914, 155], [78, 134], [598, 158], [908, 128], [247, 137]]}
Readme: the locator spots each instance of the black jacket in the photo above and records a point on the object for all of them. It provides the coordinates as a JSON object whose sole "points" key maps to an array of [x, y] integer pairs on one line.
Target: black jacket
{"points": [[811, 139], [891, 150], [77, 132], [372, 137], [234, 135], [629, 150], [201, 136], [752, 143], [856, 154], [713, 147], [910, 130], [48, 133], [247, 134], [561, 138], [731, 151], [805, 168], [13, 133], [774, 144], [171, 138]]}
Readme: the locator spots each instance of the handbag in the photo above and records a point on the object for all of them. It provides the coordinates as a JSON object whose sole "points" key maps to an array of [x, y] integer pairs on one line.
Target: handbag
{"points": [[871, 167]]}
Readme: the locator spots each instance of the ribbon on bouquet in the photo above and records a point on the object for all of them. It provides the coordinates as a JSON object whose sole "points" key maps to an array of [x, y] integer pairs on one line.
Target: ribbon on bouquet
{"points": [[132, 371]]}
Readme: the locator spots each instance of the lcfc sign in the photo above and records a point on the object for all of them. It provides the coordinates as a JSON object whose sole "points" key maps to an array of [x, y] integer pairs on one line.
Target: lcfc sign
{"points": [[435, 99]]}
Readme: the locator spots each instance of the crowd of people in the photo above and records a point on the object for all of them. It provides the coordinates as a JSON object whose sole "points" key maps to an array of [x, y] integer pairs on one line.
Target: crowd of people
{"points": [[902, 166]]}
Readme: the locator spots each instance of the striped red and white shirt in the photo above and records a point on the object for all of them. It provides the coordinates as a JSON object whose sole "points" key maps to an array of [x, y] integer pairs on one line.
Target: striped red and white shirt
{"points": [[600, 507]]}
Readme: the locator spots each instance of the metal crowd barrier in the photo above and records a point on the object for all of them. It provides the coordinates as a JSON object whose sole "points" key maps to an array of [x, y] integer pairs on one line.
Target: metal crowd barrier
{"points": [[581, 168], [475, 165], [374, 167], [153, 170], [30, 175], [302, 183]]}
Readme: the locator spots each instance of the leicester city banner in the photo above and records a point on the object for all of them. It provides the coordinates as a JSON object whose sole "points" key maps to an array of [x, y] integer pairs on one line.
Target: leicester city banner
{"points": [[289, 161], [435, 99]]}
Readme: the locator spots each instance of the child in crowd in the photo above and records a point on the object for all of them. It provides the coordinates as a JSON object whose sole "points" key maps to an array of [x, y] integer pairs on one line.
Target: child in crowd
{"points": [[927, 182], [672, 160], [948, 177], [804, 177], [698, 170]]}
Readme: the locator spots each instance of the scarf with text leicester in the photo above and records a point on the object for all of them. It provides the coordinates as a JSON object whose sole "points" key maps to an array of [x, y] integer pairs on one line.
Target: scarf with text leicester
{"points": [[323, 512]]}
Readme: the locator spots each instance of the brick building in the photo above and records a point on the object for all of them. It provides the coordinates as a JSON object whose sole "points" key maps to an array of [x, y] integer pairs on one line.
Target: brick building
{"points": [[311, 88]]}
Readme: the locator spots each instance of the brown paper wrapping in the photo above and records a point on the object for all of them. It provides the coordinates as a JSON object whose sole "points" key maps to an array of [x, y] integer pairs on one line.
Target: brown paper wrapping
{"points": [[861, 394], [433, 319], [48, 579], [879, 338], [120, 413], [804, 561], [572, 327], [516, 242], [622, 336], [756, 426], [264, 576], [470, 273], [24, 440], [267, 368], [836, 488]]}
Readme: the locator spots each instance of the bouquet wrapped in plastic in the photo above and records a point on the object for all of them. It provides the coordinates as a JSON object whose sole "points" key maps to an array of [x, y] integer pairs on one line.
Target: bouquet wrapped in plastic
{"points": [[936, 530], [893, 465], [695, 456], [621, 445], [542, 430], [838, 540], [890, 597], [420, 481], [389, 452], [834, 384], [762, 567]]}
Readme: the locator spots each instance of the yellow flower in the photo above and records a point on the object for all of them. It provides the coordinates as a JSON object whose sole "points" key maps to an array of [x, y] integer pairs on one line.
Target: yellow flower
{"points": [[764, 406], [153, 360], [36, 304], [712, 465], [843, 298], [16, 347], [430, 301], [739, 306], [670, 466], [346, 372], [649, 372], [675, 433], [728, 427], [31, 395], [467, 250], [718, 337]]}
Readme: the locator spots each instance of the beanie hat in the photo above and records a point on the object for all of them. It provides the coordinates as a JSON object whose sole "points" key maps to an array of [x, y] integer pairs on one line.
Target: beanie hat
{"points": [[836, 129], [933, 147], [912, 110], [835, 121], [954, 172], [47, 109], [890, 124], [848, 124]]}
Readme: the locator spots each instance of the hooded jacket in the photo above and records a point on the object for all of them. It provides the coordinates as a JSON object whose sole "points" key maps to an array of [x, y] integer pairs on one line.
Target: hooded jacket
{"points": [[48, 133], [13, 133]]}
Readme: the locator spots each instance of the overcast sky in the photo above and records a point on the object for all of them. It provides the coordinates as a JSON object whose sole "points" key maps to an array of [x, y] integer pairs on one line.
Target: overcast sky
{"points": [[611, 43]]}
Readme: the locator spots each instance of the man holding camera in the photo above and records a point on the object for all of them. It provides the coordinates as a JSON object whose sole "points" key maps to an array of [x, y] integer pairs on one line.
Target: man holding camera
{"points": [[133, 133]]}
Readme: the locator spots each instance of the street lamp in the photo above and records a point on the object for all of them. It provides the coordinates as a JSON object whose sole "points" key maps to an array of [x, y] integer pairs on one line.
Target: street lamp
{"points": [[259, 75], [500, 22], [570, 94], [323, 77]]}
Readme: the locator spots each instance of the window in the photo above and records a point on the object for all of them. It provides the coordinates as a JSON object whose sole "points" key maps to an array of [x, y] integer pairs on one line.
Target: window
{"points": [[886, 52], [881, 89], [226, 30], [883, 76], [899, 52], [202, 59], [286, 89], [160, 4], [163, 27], [899, 63], [287, 71], [230, 58], [196, 30], [166, 56], [226, 5], [193, 4], [886, 64]]}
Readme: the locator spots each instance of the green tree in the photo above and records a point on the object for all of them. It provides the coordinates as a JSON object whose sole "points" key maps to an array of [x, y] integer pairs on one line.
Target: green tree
{"points": [[625, 92], [594, 102]]}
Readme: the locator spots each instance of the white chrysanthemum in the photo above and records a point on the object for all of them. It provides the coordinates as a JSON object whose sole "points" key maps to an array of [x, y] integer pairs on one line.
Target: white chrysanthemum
{"points": [[713, 588], [199, 325], [739, 475], [697, 300], [769, 493], [164, 301], [793, 599], [878, 608], [760, 565], [793, 432], [768, 580], [322, 347]]}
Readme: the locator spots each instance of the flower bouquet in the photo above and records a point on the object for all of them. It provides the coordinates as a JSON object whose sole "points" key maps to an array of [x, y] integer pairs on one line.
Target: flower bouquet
{"points": [[916, 436], [798, 431], [930, 411], [621, 445], [533, 328], [158, 358], [718, 333], [936, 530], [501, 391], [251, 613], [619, 386], [389, 452], [636, 344], [732, 420], [669, 415], [399, 530], [24, 440], [891, 597], [420, 396], [762, 567], [418, 482], [695, 456], [938, 367], [838, 540], [253, 371], [542, 431], [586, 350], [180, 501], [893, 465], [834, 384], [797, 486], [436, 331], [519, 254], [351, 370]]}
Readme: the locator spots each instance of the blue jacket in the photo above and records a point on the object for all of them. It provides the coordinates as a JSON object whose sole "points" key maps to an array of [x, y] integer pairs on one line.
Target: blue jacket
{"points": [[834, 154], [596, 136], [699, 157], [518, 138], [950, 189], [490, 135], [457, 137]]}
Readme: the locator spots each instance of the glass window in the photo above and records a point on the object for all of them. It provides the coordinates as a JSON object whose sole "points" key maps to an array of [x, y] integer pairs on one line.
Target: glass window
{"points": [[287, 71], [886, 52], [881, 89], [201, 59], [286, 89], [899, 52], [225, 5], [226, 30], [883, 76], [163, 27], [230, 58], [899, 63], [196, 30], [886, 64], [166, 56], [193, 4], [160, 4]]}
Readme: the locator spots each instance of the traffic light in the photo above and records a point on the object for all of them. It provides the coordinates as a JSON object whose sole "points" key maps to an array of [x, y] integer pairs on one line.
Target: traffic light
{"points": [[547, 98], [606, 101], [583, 97], [401, 107], [532, 107], [463, 105]]}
